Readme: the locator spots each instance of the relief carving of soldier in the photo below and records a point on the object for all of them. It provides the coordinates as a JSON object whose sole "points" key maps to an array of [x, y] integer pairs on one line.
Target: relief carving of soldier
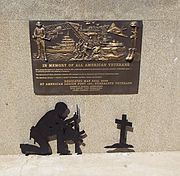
{"points": [[39, 36]]}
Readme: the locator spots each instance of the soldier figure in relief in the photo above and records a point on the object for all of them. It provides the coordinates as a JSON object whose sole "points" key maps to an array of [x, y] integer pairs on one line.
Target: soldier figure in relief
{"points": [[39, 35]]}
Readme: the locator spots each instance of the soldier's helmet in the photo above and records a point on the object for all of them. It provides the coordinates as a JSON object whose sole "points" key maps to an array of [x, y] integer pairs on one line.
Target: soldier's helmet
{"points": [[134, 24], [38, 24], [60, 107]]}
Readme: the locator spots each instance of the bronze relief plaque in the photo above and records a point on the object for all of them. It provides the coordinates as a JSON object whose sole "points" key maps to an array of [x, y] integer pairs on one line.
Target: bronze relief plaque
{"points": [[85, 57]]}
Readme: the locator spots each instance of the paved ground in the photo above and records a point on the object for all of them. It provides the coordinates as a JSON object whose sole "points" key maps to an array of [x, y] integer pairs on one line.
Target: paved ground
{"points": [[109, 164]]}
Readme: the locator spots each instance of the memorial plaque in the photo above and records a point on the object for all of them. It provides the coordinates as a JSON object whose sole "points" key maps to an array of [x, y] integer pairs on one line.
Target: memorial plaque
{"points": [[85, 57]]}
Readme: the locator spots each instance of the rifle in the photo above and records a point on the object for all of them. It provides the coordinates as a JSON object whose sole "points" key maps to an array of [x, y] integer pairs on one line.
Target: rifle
{"points": [[82, 133]]}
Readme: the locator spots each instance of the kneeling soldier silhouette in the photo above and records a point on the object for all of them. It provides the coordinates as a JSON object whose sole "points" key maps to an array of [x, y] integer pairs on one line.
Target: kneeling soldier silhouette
{"points": [[54, 126]]}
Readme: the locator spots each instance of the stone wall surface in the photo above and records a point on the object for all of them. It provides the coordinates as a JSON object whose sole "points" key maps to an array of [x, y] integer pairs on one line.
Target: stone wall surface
{"points": [[154, 111]]}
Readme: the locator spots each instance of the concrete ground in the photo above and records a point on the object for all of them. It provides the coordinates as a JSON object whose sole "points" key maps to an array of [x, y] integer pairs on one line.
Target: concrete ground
{"points": [[108, 164]]}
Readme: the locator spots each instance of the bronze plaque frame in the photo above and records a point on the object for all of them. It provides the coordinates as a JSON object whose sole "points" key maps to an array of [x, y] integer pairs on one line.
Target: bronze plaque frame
{"points": [[85, 57]]}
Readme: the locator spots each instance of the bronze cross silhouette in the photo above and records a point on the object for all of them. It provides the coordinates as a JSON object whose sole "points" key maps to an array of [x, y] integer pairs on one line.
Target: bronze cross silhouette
{"points": [[123, 123]]}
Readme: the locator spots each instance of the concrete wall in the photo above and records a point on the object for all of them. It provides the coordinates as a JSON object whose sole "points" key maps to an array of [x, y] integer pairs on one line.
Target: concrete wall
{"points": [[154, 111]]}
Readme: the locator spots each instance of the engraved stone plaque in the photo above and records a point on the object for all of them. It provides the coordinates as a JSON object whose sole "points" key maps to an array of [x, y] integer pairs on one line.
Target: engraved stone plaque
{"points": [[85, 57]]}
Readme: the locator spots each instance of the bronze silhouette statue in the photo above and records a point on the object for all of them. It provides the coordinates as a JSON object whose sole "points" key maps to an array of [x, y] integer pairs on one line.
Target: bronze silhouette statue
{"points": [[54, 125], [124, 125]]}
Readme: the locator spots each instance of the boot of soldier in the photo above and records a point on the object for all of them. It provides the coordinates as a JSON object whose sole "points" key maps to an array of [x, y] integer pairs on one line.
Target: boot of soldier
{"points": [[45, 58], [62, 148], [38, 53], [38, 56], [64, 151]]}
